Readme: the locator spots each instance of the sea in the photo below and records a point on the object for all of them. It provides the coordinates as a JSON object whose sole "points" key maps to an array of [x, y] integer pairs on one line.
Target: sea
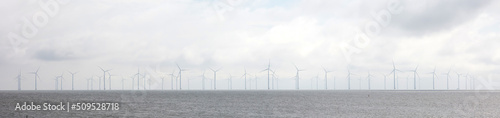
{"points": [[255, 103]]}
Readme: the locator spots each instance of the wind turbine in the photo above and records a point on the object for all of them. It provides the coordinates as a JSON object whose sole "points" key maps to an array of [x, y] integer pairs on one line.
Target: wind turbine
{"points": [[36, 77], [61, 77], [203, 79], [104, 77], [458, 79], [326, 77], [447, 79], [138, 79], [369, 80], [275, 77], [180, 76], [162, 85], [245, 75], [72, 79], [297, 77], [109, 74], [19, 80], [433, 75], [172, 79], [215, 77], [348, 78], [415, 74], [268, 69], [394, 72]]}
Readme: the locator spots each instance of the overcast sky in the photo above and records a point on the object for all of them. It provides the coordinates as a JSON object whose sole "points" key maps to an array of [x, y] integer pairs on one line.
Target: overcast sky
{"points": [[154, 35]]}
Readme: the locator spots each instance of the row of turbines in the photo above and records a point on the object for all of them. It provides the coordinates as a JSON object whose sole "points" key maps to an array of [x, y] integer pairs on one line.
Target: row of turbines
{"points": [[272, 79]]}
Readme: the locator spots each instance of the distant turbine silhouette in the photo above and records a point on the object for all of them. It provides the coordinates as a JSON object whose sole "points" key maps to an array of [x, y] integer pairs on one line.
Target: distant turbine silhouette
{"points": [[109, 74], [369, 80], [172, 80], [61, 77], [72, 79], [215, 77], [433, 80], [138, 78], [458, 79], [326, 77], [56, 83], [245, 75], [447, 79], [180, 76], [268, 69], [394, 72], [415, 74], [36, 77], [19, 80], [104, 77], [297, 77]]}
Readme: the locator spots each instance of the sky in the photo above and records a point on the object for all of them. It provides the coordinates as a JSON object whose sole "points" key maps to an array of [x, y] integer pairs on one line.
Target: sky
{"points": [[360, 36]]}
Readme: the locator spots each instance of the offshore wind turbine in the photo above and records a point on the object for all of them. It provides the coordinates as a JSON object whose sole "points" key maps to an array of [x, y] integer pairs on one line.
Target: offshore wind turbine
{"points": [[447, 79], [458, 79], [394, 72], [415, 74], [104, 77], [326, 77], [215, 77], [369, 80], [72, 79], [297, 77], [348, 78], [230, 82], [275, 77], [61, 77], [180, 76], [433, 75], [109, 74], [268, 69], [172, 80], [245, 75], [19, 80], [138, 79], [36, 77]]}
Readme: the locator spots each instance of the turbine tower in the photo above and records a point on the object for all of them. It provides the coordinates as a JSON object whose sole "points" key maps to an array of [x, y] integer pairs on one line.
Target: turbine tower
{"points": [[433, 75], [326, 77], [458, 79], [447, 79], [268, 69], [19, 80], [297, 77], [72, 79], [61, 77], [415, 74], [348, 78], [245, 75], [138, 78], [56, 80], [215, 77], [172, 80], [104, 77], [36, 77], [180, 76], [369, 80], [109, 74], [394, 72]]}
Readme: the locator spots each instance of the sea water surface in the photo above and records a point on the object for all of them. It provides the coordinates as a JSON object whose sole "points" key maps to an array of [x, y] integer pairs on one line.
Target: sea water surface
{"points": [[273, 103]]}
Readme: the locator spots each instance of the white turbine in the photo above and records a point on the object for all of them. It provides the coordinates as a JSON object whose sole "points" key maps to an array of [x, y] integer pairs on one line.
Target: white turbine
{"points": [[297, 77], [172, 79], [433, 80], [394, 72], [109, 74], [104, 77], [369, 80], [245, 75], [447, 79], [72, 79], [415, 74], [138, 78], [61, 77], [458, 79], [215, 77], [180, 76], [326, 77], [36, 77], [19, 80]]}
